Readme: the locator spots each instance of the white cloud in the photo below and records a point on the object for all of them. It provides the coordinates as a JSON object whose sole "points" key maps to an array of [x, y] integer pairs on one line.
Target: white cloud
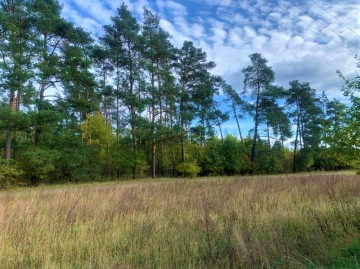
{"points": [[177, 37], [230, 30], [87, 23], [114, 4], [218, 32]]}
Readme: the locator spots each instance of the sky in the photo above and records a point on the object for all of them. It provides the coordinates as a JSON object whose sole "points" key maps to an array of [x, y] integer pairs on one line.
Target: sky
{"points": [[305, 40]]}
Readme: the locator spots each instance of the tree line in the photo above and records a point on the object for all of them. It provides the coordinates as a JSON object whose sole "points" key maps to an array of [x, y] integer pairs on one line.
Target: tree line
{"points": [[130, 104]]}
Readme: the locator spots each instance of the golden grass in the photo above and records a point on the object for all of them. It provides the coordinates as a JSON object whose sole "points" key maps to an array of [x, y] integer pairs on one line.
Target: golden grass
{"points": [[294, 221]]}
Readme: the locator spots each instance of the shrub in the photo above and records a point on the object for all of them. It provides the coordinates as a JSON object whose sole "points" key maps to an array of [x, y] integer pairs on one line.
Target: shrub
{"points": [[37, 163], [188, 169], [213, 163], [78, 163], [9, 174]]}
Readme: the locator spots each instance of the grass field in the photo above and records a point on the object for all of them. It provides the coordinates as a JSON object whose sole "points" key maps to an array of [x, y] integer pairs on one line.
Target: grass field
{"points": [[291, 221]]}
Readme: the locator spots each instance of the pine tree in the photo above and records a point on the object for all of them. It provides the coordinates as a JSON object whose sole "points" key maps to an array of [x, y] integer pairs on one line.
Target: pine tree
{"points": [[123, 39], [192, 70], [80, 96], [236, 105], [16, 45], [52, 34], [156, 50], [305, 114], [258, 77]]}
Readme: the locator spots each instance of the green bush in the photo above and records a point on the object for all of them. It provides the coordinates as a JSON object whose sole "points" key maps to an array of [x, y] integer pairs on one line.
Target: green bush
{"points": [[37, 163], [234, 159], [78, 163], [9, 174], [213, 162], [188, 169], [269, 164]]}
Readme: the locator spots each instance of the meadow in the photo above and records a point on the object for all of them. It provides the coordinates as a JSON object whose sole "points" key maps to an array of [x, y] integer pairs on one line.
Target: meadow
{"points": [[289, 221]]}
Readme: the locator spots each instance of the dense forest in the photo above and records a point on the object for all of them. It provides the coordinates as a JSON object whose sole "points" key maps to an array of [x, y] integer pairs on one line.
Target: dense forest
{"points": [[130, 104]]}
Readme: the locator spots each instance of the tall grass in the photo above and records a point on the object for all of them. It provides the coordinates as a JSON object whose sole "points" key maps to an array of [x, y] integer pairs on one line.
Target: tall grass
{"points": [[251, 222]]}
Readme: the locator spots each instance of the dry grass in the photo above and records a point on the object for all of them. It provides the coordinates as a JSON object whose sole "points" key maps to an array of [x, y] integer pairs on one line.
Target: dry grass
{"points": [[251, 222]]}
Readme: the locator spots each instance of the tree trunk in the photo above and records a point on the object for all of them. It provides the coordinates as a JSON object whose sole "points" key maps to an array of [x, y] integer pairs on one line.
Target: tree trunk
{"points": [[117, 117], [153, 158], [8, 146], [117, 104], [153, 144], [237, 122], [296, 142], [256, 119], [182, 139], [268, 135], [42, 89], [132, 112], [162, 146], [13, 106], [133, 134], [219, 125], [172, 142], [17, 109], [253, 150]]}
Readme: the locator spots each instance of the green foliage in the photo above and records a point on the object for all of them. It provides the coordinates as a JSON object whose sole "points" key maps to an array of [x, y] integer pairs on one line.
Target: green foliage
{"points": [[77, 161], [45, 120], [195, 152], [230, 156], [197, 88], [346, 257], [130, 104], [121, 161], [37, 163], [306, 115], [78, 164], [213, 163], [335, 158], [13, 121], [96, 131], [188, 169], [234, 162], [274, 161], [10, 174], [269, 164]]}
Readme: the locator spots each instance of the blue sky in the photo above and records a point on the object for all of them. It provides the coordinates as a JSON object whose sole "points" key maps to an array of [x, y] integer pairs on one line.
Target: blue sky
{"points": [[307, 40]]}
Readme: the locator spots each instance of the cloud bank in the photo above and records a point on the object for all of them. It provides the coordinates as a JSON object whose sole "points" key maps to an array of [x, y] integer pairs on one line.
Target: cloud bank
{"points": [[306, 40]]}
